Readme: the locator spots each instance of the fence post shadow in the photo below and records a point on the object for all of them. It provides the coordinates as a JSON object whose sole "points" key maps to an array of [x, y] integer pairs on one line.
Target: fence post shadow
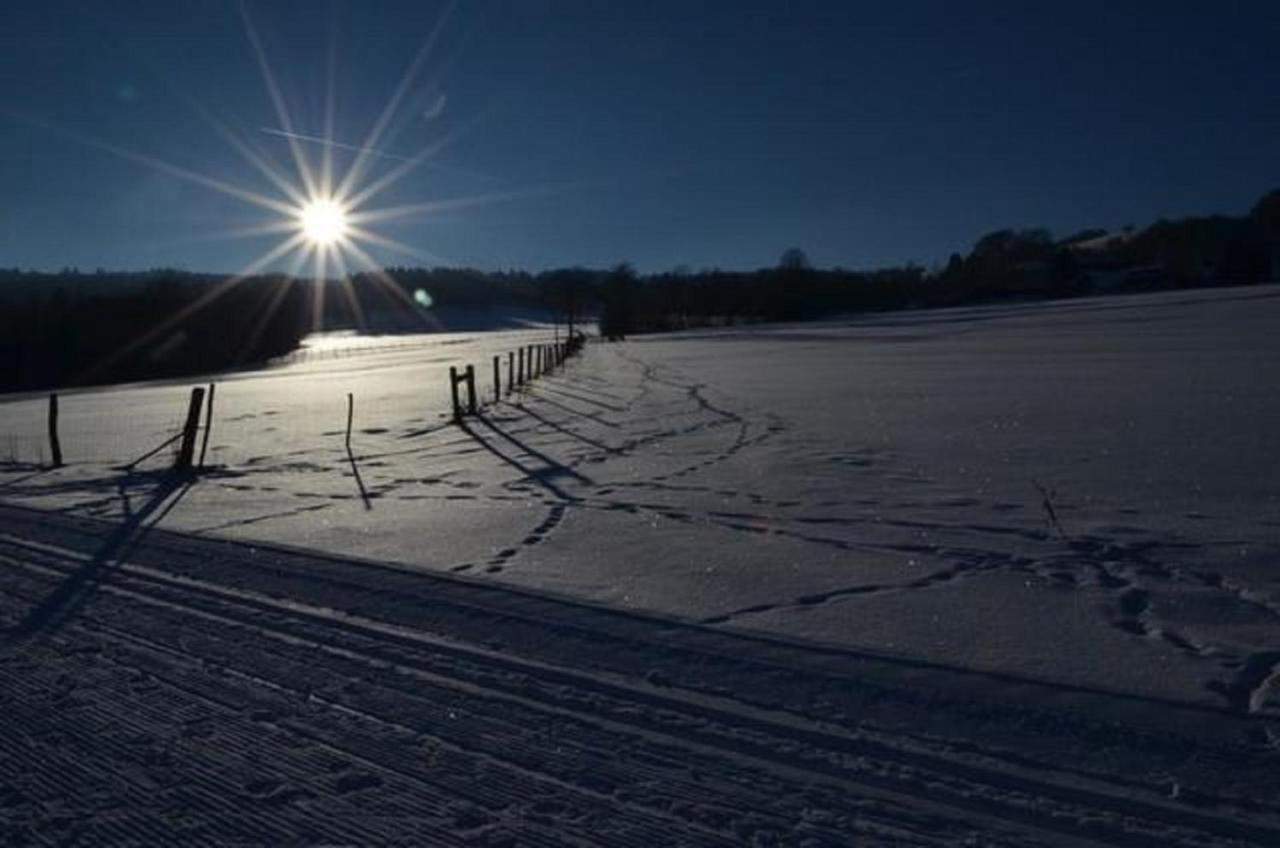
{"points": [[572, 433], [75, 589], [545, 476], [355, 473]]}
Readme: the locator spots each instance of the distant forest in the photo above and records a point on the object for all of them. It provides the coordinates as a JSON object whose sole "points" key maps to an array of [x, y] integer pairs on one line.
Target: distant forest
{"points": [[74, 328]]}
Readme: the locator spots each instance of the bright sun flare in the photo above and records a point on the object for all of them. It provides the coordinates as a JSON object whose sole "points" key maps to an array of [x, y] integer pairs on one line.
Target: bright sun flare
{"points": [[323, 221], [327, 217]]}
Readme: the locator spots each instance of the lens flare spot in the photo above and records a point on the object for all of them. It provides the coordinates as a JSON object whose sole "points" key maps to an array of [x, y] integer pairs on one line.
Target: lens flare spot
{"points": [[423, 299]]}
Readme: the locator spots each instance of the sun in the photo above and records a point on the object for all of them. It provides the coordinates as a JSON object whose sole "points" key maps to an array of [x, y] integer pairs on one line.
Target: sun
{"points": [[323, 221]]}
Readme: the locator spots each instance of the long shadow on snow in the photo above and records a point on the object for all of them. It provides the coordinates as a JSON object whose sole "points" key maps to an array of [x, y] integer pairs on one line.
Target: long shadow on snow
{"points": [[580, 398], [545, 476], [568, 431], [580, 413], [25, 477], [76, 589], [355, 472]]}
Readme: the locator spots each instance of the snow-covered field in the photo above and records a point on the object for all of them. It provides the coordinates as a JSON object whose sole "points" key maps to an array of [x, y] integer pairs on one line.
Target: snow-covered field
{"points": [[1005, 574]]}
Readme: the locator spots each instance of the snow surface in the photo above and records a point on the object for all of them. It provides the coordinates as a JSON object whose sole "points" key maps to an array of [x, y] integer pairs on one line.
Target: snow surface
{"points": [[1017, 561], [882, 483]]}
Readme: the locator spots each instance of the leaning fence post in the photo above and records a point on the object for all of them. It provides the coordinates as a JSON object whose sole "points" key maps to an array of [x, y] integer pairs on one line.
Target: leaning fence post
{"points": [[55, 446], [351, 403], [497, 378], [208, 424], [189, 429], [471, 389], [453, 391]]}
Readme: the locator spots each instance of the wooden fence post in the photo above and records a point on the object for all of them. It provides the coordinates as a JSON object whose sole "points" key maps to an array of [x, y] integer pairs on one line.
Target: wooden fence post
{"points": [[520, 375], [208, 424], [497, 379], [471, 389], [453, 391], [351, 403], [192, 426], [511, 370], [55, 446]]}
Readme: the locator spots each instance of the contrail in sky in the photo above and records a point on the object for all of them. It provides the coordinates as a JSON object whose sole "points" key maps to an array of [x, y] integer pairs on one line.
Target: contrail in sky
{"points": [[371, 151], [330, 143]]}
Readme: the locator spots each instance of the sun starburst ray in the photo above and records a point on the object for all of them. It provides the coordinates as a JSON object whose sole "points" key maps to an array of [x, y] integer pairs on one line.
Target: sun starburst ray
{"points": [[356, 172], [348, 288], [252, 157], [408, 164], [318, 287], [161, 166], [300, 258], [215, 292], [330, 96], [266, 228], [390, 213], [393, 176], [384, 279], [277, 100], [423, 256]]}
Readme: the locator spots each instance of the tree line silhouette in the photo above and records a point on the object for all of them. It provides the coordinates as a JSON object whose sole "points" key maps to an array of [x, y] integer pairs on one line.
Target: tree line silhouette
{"points": [[71, 328]]}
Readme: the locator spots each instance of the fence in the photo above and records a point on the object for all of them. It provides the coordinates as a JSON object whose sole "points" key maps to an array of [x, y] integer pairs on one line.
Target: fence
{"points": [[534, 361], [146, 426]]}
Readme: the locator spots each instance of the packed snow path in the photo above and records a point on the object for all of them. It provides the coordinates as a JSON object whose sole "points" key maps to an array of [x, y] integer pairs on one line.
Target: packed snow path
{"points": [[177, 690]]}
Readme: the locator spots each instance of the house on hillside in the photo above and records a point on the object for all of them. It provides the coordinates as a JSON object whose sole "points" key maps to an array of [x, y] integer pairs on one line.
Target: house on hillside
{"points": [[1106, 265]]}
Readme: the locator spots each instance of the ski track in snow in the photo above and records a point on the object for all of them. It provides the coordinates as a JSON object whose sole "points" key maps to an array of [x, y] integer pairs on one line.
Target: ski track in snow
{"points": [[228, 705]]}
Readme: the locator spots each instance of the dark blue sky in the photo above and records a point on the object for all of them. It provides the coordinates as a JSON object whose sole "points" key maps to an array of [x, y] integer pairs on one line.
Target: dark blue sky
{"points": [[702, 134]]}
